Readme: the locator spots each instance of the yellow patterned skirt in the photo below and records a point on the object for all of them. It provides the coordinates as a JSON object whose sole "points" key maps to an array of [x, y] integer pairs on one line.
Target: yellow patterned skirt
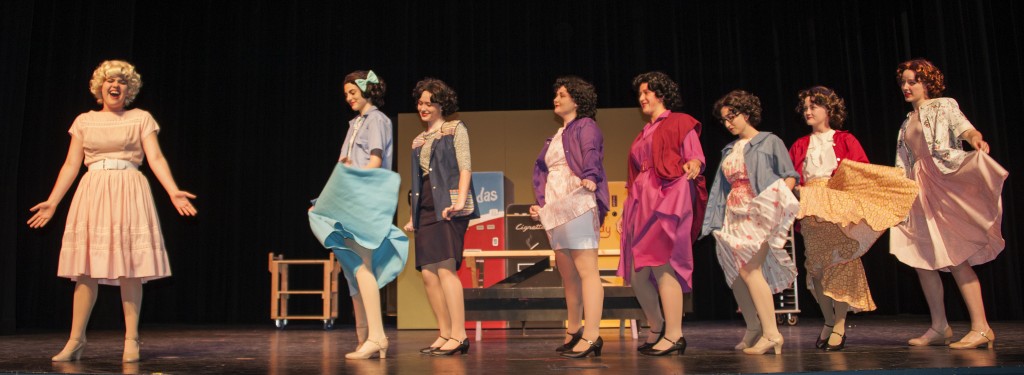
{"points": [[841, 217]]}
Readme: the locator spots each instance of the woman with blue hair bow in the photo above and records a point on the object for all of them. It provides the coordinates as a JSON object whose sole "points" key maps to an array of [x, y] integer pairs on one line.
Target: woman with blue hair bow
{"points": [[354, 212]]}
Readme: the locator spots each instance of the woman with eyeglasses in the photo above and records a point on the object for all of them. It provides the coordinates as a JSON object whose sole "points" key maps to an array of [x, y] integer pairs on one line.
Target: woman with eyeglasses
{"points": [[750, 212]]}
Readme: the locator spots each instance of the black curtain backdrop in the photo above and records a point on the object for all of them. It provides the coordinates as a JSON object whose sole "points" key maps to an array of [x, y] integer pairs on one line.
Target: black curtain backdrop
{"points": [[251, 107]]}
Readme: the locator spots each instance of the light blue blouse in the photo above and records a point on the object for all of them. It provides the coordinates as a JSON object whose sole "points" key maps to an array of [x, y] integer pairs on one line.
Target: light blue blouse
{"points": [[767, 161], [373, 133]]}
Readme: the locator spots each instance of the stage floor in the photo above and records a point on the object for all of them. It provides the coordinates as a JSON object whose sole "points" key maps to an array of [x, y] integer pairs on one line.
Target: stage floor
{"points": [[875, 344]]}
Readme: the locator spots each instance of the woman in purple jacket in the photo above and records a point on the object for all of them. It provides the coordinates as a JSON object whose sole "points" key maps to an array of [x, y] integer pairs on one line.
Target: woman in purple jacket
{"points": [[572, 198]]}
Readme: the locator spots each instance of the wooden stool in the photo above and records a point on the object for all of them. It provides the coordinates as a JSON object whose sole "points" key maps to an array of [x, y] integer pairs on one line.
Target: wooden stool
{"points": [[279, 292]]}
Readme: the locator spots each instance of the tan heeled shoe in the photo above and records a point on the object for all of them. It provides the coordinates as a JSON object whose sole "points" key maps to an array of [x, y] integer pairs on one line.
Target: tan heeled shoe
{"points": [[762, 346], [932, 337], [749, 339], [988, 339], [72, 351], [131, 350], [369, 348]]}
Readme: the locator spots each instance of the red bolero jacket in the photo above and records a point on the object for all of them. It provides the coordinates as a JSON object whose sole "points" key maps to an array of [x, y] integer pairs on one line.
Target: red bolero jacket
{"points": [[845, 146]]}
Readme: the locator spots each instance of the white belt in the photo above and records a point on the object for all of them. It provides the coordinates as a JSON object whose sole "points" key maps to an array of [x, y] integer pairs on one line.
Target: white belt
{"points": [[112, 164]]}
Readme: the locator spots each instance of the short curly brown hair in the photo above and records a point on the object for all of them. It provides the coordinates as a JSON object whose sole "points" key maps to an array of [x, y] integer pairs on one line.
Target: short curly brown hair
{"points": [[925, 72], [828, 99], [581, 92], [663, 87], [743, 103], [440, 94], [374, 91]]}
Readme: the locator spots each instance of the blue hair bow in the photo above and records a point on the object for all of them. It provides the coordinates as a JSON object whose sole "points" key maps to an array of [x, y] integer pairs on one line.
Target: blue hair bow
{"points": [[371, 77]]}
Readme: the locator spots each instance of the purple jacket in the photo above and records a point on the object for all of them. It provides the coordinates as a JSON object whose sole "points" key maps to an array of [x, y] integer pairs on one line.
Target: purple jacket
{"points": [[584, 147]]}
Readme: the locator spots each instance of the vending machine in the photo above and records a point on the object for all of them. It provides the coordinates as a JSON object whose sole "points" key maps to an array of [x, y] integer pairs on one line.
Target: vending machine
{"points": [[493, 192]]}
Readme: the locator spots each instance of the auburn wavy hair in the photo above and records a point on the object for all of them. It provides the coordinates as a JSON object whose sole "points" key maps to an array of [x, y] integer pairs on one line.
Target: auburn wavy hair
{"points": [[925, 72]]}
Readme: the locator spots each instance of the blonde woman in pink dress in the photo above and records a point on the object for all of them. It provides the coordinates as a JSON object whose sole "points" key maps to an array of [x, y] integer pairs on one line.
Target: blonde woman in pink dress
{"points": [[956, 221], [112, 235]]}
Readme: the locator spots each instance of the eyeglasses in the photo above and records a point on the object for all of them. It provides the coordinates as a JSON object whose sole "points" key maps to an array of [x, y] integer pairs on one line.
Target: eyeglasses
{"points": [[730, 116]]}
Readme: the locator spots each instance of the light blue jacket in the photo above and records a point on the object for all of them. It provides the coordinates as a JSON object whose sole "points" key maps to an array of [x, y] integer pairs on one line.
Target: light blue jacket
{"points": [[767, 161]]}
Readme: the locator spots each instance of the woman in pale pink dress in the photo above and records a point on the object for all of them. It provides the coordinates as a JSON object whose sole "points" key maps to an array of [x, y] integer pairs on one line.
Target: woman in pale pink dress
{"points": [[112, 235], [956, 221]]}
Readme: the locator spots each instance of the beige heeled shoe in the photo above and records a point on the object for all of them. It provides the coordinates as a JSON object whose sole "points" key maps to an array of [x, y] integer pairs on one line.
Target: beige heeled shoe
{"points": [[369, 348], [988, 339], [764, 345], [72, 351], [131, 350], [931, 337], [749, 339]]}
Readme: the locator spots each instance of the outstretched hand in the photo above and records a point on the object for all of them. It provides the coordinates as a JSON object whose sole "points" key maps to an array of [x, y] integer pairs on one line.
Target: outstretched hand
{"points": [[44, 212], [180, 199]]}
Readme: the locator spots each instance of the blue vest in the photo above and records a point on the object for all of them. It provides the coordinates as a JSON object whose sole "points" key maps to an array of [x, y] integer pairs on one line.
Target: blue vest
{"points": [[444, 177]]}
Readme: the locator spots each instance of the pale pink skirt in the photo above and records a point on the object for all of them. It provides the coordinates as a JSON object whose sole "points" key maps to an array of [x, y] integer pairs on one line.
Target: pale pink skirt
{"points": [[113, 230], [957, 217]]}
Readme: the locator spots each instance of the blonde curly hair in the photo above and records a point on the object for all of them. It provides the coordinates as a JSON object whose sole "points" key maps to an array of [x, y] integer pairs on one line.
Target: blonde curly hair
{"points": [[115, 68]]}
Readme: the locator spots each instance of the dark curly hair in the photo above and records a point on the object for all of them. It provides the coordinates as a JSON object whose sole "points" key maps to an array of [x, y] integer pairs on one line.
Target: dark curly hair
{"points": [[828, 99], [925, 72], [663, 87], [581, 92], [440, 94], [374, 91], [743, 103]]}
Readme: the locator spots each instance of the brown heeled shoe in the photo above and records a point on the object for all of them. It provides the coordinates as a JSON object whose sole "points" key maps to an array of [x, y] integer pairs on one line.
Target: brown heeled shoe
{"points": [[988, 339]]}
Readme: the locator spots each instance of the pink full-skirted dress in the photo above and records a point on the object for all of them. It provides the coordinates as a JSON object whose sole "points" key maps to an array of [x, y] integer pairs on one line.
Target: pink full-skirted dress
{"points": [[658, 215], [958, 215], [112, 230]]}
